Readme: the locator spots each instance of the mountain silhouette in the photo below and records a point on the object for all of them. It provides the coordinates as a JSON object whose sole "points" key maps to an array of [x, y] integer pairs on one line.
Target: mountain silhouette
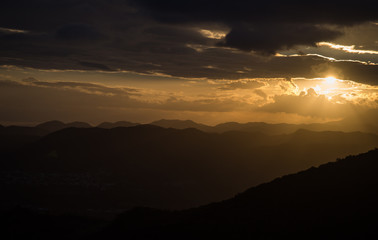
{"points": [[53, 126], [21, 223], [366, 122], [14, 137], [337, 200], [274, 129], [181, 124], [109, 125], [147, 165], [350, 124], [18, 130], [266, 128]]}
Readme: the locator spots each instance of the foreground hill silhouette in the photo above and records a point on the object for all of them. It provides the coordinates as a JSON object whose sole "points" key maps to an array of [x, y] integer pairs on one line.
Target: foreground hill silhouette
{"points": [[22, 223], [103, 171], [13, 137], [337, 200]]}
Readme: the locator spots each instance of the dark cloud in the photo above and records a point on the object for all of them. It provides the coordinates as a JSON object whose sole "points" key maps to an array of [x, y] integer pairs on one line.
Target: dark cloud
{"points": [[265, 26], [363, 36], [163, 36], [337, 12], [89, 88], [78, 32], [268, 38], [96, 66], [30, 80]]}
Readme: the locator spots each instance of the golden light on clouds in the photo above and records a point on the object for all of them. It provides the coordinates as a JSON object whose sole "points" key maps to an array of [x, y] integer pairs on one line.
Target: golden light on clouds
{"points": [[330, 80], [213, 34], [329, 85], [12, 30], [125, 96], [349, 49]]}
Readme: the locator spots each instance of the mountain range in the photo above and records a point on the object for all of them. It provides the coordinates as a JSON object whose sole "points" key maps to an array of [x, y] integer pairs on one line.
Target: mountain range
{"points": [[11, 137], [104, 171], [337, 200]]}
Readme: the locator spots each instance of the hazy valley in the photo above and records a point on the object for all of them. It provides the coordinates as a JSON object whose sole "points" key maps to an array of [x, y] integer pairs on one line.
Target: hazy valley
{"points": [[94, 171]]}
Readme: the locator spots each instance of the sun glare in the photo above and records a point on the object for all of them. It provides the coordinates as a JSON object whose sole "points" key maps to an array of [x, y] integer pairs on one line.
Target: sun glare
{"points": [[330, 80]]}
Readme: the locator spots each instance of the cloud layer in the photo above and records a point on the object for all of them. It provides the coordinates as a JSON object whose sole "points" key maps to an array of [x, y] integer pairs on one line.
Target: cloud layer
{"points": [[238, 39], [271, 100]]}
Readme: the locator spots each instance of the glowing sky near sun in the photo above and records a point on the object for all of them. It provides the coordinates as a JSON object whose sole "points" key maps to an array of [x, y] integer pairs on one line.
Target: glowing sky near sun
{"points": [[84, 95], [272, 61]]}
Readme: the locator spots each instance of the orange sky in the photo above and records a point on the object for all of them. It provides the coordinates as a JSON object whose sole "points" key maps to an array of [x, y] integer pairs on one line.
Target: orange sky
{"points": [[271, 61], [30, 95]]}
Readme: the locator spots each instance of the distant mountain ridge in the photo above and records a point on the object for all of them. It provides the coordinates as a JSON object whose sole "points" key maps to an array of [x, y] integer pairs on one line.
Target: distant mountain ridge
{"points": [[55, 125], [266, 128], [181, 124], [273, 129], [109, 125], [13, 137], [160, 167]]}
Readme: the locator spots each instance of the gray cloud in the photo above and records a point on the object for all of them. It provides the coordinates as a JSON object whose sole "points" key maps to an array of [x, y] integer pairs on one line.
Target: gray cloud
{"points": [[90, 88], [158, 36], [95, 66], [265, 26], [268, 38], [78, 32]]}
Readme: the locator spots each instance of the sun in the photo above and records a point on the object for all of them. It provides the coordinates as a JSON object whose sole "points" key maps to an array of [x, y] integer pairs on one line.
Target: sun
{"points": [[330, 80]]}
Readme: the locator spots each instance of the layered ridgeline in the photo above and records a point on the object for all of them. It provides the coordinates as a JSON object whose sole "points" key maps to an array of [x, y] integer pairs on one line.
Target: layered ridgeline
{"points": [[337, 200], [104, 171], [334, 201], [12, 137]]}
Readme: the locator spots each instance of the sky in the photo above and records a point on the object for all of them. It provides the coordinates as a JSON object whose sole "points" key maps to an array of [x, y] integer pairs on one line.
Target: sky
{"points": [[208, 61]]}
